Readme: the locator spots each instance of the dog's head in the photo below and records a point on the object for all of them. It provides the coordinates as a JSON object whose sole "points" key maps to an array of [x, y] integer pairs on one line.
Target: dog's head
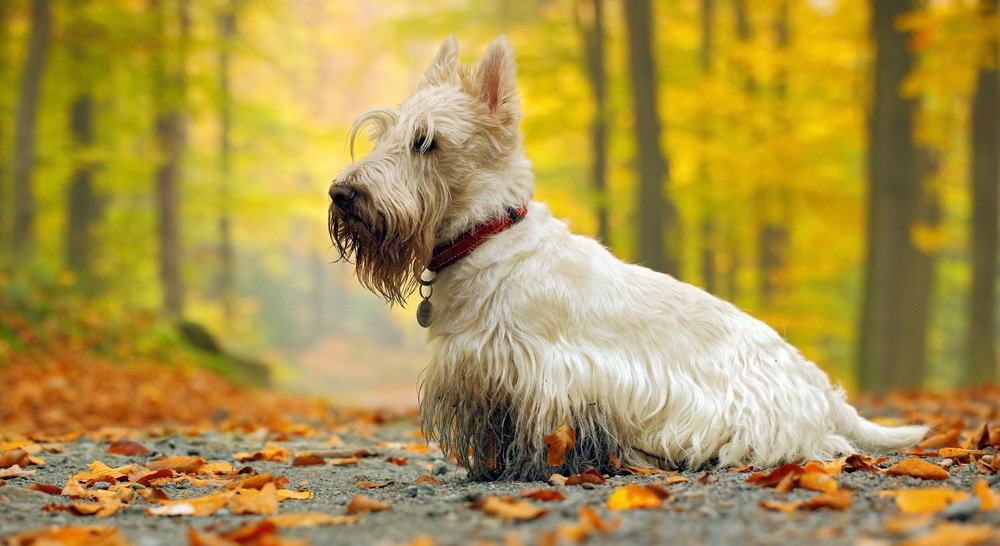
{"points": [[432, 164]]}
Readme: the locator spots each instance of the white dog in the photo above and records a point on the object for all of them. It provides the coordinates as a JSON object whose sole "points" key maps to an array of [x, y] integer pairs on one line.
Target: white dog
{"points": [[534, 327]]}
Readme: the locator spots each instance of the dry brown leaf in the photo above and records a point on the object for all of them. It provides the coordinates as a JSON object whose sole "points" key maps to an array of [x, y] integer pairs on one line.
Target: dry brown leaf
{"points": [[948, 438], [310, 519], [14, 457], [398, 461], [814, 477], [270, 452], [591, 475], [784, 478], [543, 494], [360, 504], [836, 500], [374, 485], [308, 459], [148, 477], [73, 535], [558, 479], [634, 496], [989, 465], [45, 488], [741, 469], [346, 461], [917, 468], [558, 443], [961, 454], [864, 463], [925, 501], [431, 480], [988, 499], [952, 534], [588, 523], [185, 464], [510, 508], [263, 501], [215, 468], [127, 447], [288, 494], [197, 506], [671, 480], [646, 471], [16, 472]]}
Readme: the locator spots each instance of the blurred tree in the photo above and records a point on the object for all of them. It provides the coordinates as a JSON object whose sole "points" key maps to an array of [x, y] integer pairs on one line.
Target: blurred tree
{"points": [[590, 20], [657, 213], [708, 221], [5, 15], [29, 95], [984, 193], [227, 258], [772, 234], [83, 205], [889, 330], [169, 89]]}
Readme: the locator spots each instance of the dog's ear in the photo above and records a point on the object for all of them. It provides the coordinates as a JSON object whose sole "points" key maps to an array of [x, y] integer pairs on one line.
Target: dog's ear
{"points": [[445, 64], [496, 79]]}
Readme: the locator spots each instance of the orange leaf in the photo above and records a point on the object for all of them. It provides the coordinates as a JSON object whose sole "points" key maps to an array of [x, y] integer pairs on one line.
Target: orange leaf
{"points": [[509, 508], [262, 501], [925, 501], [559, 442], [372, 485], [426, 479], [127, 447], [185, 464], [543, 494], [837, 500], [360, 504], [271, 452], [817, 480], [782, 478], [73, 535], [988, 499], [948, 438], [310, 519], [197, 506], [308, 459], [13, 457], [917, 468], [631, 497], [952, 534]]}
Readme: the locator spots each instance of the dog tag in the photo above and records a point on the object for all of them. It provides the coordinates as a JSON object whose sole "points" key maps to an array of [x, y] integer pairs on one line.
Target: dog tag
{"points": [[424, 313]]}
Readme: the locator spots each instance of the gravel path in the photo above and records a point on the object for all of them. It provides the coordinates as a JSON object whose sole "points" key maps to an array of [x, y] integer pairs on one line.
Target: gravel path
{"points": [[725, 510]]}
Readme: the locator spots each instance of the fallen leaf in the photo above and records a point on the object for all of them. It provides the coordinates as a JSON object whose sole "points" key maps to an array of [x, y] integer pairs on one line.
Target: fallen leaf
{"points": [[917, 468], [215, 468], [741, 469], [952, 534], [988, 499], [263, 501], [783, 478], [588, 523], [360, 504], [961, 454], [558, 479], [45, 488], [671, 480], [814, 477], [864, 463], [780, 506], [948, 438], [73, 535], [925, 501], [344, 461], [633, 496], [426, 479], [185, 464], [836, 500], [288, 494], [988, 465], [310, 519], [16, 472], [197, 506], [308, 459], [543, 494], [127, 447], [558, 443], [398, 461], [591, 475], [14, 457], [645, 470], [147, 478], [376, 485], [270, 452], [510, 509]]}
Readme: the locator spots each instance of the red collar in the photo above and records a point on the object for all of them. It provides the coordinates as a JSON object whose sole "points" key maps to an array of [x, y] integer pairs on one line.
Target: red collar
{"points": [[449, 253]]}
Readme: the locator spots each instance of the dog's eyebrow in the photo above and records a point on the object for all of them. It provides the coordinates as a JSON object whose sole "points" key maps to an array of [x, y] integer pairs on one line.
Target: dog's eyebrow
{"points": [[383, 118]]}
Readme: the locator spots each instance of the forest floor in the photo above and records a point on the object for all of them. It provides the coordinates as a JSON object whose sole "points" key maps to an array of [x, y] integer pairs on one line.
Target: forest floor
{"points": [[92, 453]]}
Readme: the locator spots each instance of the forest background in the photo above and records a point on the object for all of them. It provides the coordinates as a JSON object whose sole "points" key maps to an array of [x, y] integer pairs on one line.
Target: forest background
{"points": [[830, 166]]}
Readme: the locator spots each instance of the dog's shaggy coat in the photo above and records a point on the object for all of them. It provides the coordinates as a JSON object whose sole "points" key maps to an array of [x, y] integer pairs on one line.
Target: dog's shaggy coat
{"points": [[540, 327]]}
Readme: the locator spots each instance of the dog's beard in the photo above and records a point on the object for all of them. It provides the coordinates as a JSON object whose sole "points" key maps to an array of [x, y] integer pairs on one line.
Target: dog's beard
{"points": [[389, 253]]}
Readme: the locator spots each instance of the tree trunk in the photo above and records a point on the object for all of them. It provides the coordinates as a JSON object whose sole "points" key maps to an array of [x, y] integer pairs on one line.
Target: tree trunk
{"points": [[889, 332], [657, 237], [24, 129], [227, 254], [981, 366], [592, 31], [5, 209], [773, 236], [708, 231], [83, 204], [169, 81]]}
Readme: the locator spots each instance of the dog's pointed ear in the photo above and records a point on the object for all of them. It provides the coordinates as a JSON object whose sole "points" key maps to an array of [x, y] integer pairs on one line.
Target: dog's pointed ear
{"points": [[445, 64], [496, 80]]}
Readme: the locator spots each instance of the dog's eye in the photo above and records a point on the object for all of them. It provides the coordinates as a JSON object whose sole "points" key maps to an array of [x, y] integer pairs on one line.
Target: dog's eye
{"points": [[423, 145]]}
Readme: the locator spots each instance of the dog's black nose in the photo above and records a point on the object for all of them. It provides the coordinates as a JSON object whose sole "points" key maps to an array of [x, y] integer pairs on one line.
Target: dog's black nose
{"points": [[343, 196]]}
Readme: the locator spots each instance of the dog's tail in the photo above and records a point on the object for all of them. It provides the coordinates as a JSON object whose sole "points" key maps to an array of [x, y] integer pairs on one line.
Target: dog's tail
{"points": [[866, 435]]}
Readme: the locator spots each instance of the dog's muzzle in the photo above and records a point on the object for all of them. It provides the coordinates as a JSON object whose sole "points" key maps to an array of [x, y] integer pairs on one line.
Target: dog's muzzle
{"points": [[342, 196]]}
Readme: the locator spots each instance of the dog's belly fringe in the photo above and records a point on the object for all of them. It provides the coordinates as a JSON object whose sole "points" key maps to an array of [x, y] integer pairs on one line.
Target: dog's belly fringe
{"points": [[539, 327]]}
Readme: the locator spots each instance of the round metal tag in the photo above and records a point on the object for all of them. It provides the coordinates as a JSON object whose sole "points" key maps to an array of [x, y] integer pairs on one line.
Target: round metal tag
{"points": [[424, 313]]}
